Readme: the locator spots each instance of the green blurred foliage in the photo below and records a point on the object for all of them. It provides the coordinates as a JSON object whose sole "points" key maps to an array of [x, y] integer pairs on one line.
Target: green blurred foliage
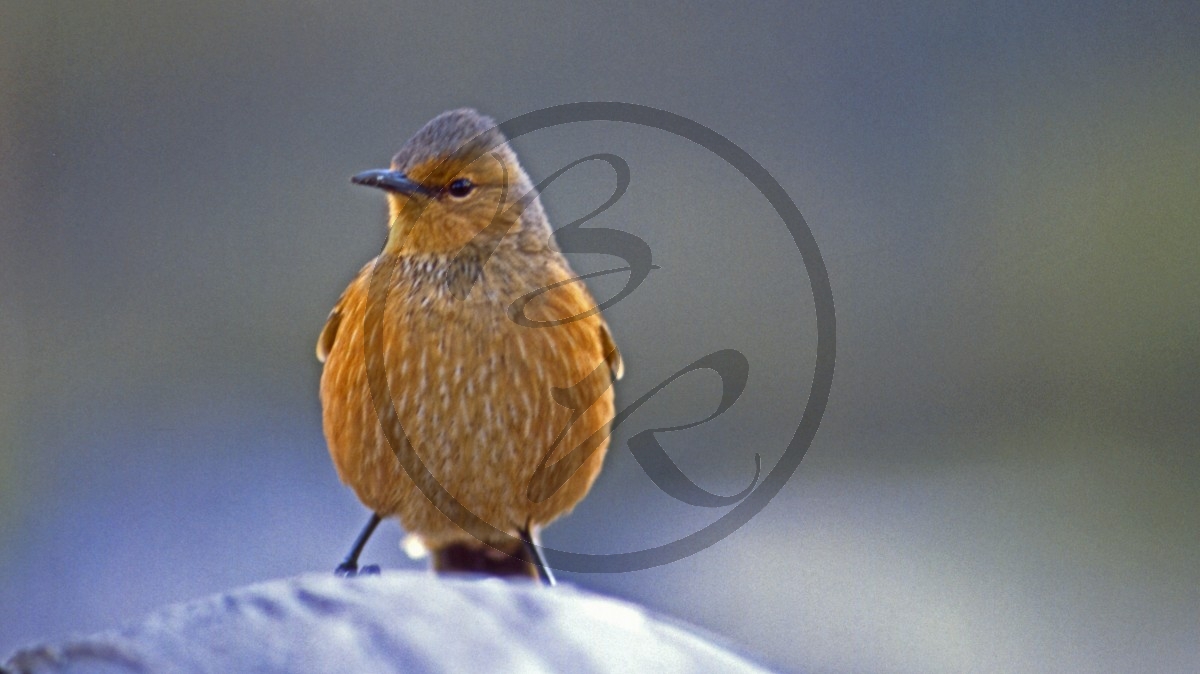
{"points": [[1094, 244]]}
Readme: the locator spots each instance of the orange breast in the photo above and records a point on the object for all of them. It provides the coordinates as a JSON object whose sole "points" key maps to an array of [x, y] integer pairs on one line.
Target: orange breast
{"points": [[475, 393]]}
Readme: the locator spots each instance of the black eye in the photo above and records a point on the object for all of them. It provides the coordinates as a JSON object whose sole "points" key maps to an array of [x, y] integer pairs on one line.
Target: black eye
{"points": [[460, 188]]}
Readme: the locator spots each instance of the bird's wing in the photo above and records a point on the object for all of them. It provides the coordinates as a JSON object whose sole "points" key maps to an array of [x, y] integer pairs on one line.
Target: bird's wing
{"points": [[346, 303], [612, 355], [329, 332]]}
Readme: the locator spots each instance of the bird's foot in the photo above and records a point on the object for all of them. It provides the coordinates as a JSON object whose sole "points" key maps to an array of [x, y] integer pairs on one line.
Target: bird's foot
{"points": [[350, 570]]}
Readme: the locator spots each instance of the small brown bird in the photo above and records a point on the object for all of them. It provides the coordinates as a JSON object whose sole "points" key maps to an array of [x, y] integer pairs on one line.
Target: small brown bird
{"points": [[498, 363]]}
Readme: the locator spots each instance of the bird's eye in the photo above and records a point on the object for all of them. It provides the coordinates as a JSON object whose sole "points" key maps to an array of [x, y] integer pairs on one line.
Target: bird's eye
{"points": [[460, 188]]}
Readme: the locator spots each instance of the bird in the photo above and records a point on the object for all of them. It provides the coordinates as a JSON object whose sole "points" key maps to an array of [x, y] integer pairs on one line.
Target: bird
{"points": [[499, 367]]}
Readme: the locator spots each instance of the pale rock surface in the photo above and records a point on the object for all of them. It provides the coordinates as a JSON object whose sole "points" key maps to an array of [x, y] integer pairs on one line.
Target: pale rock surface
{"points": [[396, 622]]}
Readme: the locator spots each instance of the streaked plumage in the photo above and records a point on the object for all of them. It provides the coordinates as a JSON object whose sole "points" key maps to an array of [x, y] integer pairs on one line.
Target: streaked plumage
{"points": [[473, 389]]}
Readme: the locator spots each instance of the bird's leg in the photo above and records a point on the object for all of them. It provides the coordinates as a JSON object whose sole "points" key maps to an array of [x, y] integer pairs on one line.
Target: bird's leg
{"points": [[535, 555], [350, 566]]}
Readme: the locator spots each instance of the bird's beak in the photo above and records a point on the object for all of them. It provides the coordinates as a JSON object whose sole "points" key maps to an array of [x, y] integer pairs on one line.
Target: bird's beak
{"points": [[391, 181]]}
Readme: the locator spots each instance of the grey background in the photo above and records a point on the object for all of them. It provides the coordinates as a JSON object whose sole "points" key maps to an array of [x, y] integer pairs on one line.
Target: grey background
{"points": [[1005, 198]]}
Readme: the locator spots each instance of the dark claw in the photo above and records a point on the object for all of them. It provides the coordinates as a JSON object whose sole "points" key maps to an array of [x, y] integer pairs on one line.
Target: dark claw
{"points": [[349, 570]]}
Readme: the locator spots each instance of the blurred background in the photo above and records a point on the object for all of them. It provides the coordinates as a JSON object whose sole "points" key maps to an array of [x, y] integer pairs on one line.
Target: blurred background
{"points": [[1006, 199]]}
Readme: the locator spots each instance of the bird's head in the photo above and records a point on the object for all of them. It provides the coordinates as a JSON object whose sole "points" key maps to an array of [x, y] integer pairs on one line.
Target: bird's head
{"points": [[454, 183]]}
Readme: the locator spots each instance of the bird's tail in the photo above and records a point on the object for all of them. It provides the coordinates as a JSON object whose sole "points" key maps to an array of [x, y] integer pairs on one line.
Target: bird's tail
{"points": [[518, 559]]}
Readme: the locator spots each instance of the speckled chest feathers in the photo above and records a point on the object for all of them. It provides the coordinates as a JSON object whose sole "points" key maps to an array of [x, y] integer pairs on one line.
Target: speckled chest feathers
{"points": [[473, 390]]}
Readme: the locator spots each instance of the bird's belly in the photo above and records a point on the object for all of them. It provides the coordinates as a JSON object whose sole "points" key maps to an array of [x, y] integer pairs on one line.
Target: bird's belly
{"points": [[474, 395]]}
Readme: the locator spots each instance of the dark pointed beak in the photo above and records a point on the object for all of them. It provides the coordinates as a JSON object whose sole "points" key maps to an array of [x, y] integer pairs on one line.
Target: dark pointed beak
{"points": [[392, 181]]}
